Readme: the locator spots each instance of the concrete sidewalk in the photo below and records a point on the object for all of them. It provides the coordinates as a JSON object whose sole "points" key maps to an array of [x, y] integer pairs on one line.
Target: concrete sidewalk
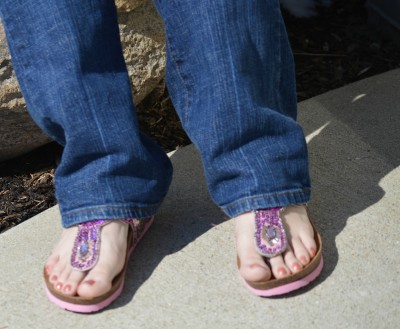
{"points": [[183, 275]]}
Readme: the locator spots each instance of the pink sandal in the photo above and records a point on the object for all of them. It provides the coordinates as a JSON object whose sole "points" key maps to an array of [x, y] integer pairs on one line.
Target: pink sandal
{"points": [[270, 241], [84, 257]]}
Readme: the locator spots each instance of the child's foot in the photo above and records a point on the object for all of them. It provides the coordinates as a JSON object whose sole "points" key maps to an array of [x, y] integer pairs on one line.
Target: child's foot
{"points": [[98, 280], [301, 246]]}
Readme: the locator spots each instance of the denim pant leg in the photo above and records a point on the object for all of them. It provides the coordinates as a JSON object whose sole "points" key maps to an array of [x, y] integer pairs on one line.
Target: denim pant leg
{"points": [[230, 74], [69, 63]]}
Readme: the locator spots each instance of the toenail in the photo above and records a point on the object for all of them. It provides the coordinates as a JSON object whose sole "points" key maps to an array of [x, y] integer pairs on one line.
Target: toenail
{"points": [[47, 269], [303, 260], [67, 288], [90, 282], [296, 267], [54, 278], [312, 252], [59, 285], [282, 271]]}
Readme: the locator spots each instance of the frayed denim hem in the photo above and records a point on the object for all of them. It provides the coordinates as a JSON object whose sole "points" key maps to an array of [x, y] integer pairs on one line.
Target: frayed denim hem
{"points": [[107, 212], [263, 201]]}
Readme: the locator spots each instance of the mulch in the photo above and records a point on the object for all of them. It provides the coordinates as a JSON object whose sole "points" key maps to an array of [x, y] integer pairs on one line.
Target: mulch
{"points": [[331, 50]]}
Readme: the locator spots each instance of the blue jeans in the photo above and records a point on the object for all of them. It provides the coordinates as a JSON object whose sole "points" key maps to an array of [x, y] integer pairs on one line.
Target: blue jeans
{"points": [[230, 75]]}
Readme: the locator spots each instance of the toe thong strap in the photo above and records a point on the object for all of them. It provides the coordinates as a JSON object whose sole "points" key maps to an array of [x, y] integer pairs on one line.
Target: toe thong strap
{"points": [[270, 235], [85, 252]]}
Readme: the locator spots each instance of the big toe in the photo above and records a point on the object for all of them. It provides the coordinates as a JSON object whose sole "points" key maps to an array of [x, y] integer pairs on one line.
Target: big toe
{"points": [[254, 269], [95, 284], [252, 266]]}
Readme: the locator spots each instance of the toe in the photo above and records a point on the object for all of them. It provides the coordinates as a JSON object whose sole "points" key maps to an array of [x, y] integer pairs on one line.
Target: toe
{"points": [[56, 273], [62, 278], [300, 232], [252, 264], [69, 280], [59, 258], [71, 283], [310, 245], [50, 263], [96, 283], [300, 251], [292, 262], [279, 267], [254, 269]]}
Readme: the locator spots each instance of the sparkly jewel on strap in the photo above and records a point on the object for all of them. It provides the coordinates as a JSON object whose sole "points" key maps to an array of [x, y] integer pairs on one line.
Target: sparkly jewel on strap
{"points": [[85, 252], [270, 234], [87, 245]]}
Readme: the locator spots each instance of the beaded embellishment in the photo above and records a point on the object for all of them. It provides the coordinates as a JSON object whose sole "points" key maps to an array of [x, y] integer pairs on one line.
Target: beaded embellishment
{"points": [[85, 252], [270, 235]]}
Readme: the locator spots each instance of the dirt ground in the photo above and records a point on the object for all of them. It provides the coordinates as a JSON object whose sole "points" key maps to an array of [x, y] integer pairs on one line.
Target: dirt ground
{"points": [[330, 50]]}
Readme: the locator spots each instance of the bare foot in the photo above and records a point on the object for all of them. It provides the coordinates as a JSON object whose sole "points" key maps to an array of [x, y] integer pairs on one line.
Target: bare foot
{"points": [[301, 246], [98, 280]]}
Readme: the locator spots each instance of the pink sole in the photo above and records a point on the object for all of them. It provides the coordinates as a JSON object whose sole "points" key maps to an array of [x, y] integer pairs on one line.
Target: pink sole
{"points": [[288, 287], [84, 308], [90, 308]]}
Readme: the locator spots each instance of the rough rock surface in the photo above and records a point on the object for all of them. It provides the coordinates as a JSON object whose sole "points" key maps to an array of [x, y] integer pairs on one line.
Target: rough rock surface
{"points": [[18, 133], [143, 42], [142, 38], [128, 5]]}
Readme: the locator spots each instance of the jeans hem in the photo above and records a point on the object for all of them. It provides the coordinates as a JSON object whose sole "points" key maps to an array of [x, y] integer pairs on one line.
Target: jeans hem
{"points": [[270, 200], [107, 212]]}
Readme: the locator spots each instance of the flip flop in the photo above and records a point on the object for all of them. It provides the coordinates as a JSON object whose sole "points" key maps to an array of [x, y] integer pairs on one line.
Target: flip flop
{"points": [[270, 238], [84, 257]]}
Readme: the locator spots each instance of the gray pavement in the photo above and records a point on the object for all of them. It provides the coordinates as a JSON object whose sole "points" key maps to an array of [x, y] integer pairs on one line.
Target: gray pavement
{"points": [[183, 275]]}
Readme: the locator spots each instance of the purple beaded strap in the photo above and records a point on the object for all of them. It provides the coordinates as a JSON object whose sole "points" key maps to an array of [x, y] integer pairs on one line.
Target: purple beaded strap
{"points": [[85, 252], [270, 234]]}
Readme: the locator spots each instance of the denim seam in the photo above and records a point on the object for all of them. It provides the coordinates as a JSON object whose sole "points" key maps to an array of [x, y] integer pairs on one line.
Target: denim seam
{"points": [[263, 196], [185, 117]]}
